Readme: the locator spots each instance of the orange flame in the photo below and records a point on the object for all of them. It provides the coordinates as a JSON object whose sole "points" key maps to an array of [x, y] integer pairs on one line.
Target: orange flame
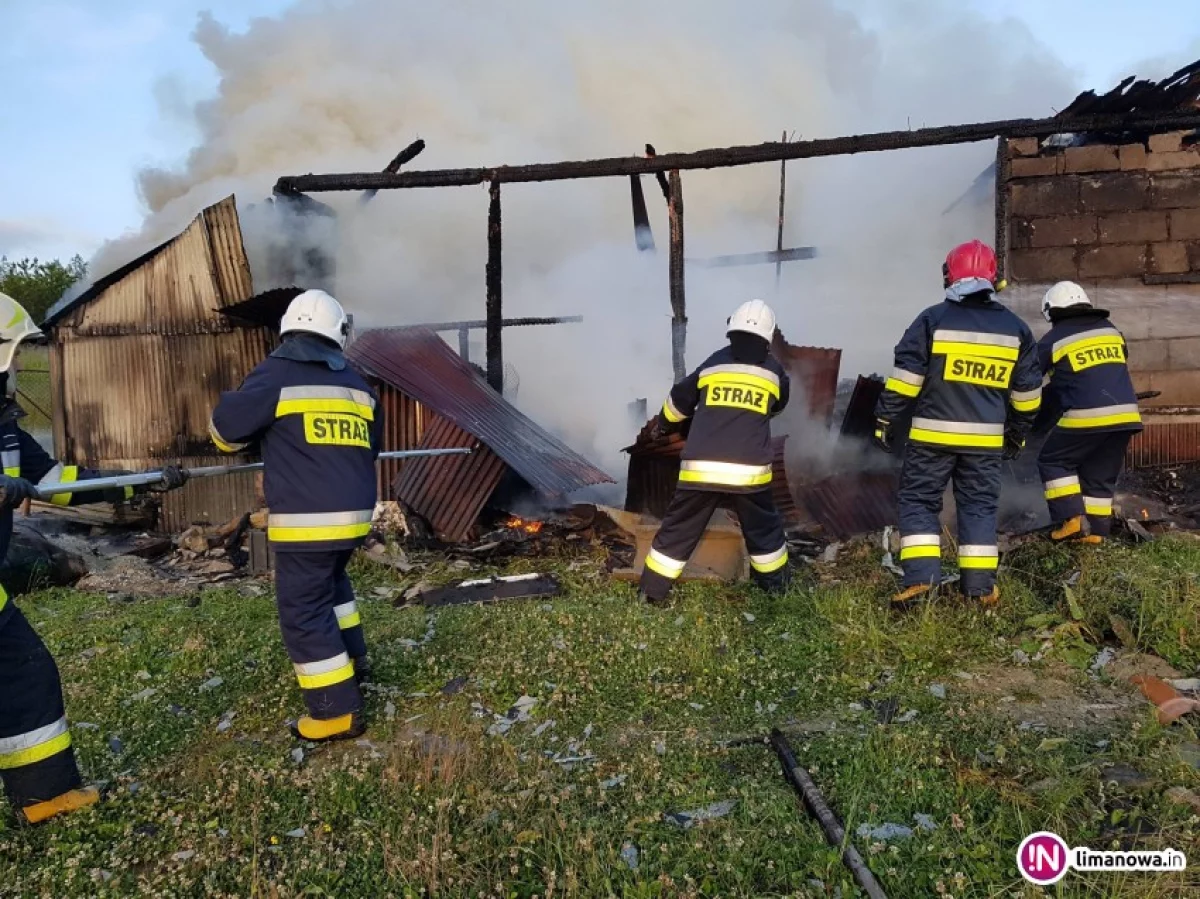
{"points": [[1145, 514], [517, 523]]}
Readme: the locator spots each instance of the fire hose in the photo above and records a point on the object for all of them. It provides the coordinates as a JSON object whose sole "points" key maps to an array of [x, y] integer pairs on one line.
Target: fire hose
{"points": [[150, 478]]}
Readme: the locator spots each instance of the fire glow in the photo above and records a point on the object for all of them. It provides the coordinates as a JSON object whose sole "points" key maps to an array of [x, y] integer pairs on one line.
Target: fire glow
{"points": [[517, 523]]}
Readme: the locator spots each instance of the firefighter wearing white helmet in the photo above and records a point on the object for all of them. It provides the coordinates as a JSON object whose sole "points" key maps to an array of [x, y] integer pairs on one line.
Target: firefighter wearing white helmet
{"points": [[726, 407], [316, 422], [1090, 411], [37, 762]]}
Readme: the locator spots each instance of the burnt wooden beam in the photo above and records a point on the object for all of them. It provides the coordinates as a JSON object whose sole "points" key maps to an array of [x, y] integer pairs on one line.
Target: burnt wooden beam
{"points": [[661, 175], [643, 235], [792, 254], [408, 154], [1003, 193], [476, 324], [676, 266], [779, 233], [495, 317], [724, 157]]}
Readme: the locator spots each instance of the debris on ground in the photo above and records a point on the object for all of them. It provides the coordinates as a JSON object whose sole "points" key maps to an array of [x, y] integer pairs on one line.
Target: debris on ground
{"points": [[1184, 796], [493, 589], [938, 691], [1051, 697], [884, 832], [695, 816], [1172, 705], [629, 855], [1125, 776]]}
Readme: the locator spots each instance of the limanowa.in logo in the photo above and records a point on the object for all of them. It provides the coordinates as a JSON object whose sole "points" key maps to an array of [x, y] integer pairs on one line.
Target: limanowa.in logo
{"points": [[1045, 858]]}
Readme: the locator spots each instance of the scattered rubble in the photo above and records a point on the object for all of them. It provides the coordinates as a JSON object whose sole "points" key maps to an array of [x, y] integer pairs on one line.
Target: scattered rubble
{"points": [[884, 832], [695, 816]]}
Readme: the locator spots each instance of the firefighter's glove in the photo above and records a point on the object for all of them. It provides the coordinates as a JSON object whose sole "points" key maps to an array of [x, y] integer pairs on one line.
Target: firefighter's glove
{"points": [[14, 491], [173, 477], [883, 435], [1013, 444]]}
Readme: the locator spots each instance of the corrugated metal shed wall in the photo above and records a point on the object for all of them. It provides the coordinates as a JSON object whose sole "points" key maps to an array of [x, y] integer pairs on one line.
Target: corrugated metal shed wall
{"points": [[137, 370], [404, 421]]}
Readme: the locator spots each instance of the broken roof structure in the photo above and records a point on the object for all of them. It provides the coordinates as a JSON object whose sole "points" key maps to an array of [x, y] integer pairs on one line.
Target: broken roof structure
{"points": [[451, 406]]}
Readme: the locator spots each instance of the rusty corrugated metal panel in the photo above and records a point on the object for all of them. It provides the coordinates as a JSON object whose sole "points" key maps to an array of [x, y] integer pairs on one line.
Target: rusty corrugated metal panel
{"points": [[781, 488], [814, 373], [403, 426], [421, 365], [1165, 440], [449, 492], [849, 504], [140, 360]]}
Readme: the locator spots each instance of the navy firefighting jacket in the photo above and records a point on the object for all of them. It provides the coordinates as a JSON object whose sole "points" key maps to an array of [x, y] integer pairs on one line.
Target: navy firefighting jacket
{"points": [[731, 405], [1090, 388], [23, 457], [972, 368], [319, 431]]}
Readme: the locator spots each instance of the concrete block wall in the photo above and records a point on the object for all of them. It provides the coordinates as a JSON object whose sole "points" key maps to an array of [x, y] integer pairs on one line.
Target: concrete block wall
{"points": [[1112, 217]]}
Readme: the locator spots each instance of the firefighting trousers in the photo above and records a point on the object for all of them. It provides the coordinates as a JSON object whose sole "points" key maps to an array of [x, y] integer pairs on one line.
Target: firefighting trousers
{"points": [[1079, 472], [684, 524], [321, 628], [923, 481], [37, 762]]}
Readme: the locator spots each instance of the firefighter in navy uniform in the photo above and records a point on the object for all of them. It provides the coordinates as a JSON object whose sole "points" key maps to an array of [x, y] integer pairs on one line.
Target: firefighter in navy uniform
{"points": [[731, 400], [971, 367], [315, 419], [1092, 408], [37, 762]]}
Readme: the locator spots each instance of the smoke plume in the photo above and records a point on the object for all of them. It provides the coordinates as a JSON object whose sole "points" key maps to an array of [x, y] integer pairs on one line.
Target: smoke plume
{"points": [[342, 86]]}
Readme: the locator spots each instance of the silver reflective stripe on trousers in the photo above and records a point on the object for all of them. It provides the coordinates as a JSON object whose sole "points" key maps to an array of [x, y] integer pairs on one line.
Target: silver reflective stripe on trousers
{"points": [[30, 739], [322, 667], [318, 519], [921, 540], [1102, 411], [733, 468]]}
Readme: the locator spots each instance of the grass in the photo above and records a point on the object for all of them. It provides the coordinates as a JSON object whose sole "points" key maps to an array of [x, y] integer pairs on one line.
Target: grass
{"points": [[433, 805]]}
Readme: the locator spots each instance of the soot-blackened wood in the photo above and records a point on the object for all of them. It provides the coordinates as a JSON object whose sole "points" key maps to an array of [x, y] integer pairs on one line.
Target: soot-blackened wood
{"points": [[495, 310], [722, 157], [1003, 193], [408, 154], [660, 175], [643, 236], [678, 303], [779, 234]]}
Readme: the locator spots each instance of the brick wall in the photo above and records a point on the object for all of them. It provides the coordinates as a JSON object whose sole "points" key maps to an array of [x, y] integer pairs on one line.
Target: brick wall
{"points": [[1113, 218]]}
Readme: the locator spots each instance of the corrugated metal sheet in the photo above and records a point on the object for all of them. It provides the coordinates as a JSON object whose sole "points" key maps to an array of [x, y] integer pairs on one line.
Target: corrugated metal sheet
{"points": [[421, 365], [404, 421], [859, 420], [846, 505], [814, 373], [139, 361], [1166, 440], [449, 492]]}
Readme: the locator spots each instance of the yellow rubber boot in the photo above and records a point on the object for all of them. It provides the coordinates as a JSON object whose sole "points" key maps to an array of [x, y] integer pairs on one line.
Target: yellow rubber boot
{"points": [[326, 730], [992, 599], [909, 595], [1071, 529], [71, 801], [1092, 540]]}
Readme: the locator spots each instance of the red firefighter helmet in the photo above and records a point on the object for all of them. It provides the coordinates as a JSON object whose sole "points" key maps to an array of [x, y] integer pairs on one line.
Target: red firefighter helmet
{"points": [[970, 260]]}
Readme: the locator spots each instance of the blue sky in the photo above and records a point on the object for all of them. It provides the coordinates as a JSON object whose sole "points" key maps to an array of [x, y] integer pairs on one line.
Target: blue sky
{"points": [[84, 84]]}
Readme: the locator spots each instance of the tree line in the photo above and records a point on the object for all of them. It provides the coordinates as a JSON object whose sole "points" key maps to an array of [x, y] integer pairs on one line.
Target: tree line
{"points": [[37, 284]]}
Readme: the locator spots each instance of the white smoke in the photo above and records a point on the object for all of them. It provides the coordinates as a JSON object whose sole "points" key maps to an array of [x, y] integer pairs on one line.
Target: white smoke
{"points": [[342, 86]]}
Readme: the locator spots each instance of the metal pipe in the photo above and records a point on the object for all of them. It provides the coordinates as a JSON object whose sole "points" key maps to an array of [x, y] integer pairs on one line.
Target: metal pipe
{"points": [[146, 478], [803, 783]]}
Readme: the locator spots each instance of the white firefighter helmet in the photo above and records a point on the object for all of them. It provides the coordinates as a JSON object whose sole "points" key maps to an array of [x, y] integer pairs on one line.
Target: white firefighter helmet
{"points": [[316, 312], [1062, 295], [754, 317], [15, 325]]}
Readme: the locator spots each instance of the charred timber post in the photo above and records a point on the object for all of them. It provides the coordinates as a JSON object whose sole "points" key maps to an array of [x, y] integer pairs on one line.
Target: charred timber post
{"points": [[779, 234], [643, 236], [495, 312], [408, 154], [678, 303], [661, 175], [835, 834], [724, 157], [1003, 193]]}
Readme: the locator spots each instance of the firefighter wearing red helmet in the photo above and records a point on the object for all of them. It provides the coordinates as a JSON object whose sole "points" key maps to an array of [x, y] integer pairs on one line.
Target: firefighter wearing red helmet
{"points": [[969, 368]]}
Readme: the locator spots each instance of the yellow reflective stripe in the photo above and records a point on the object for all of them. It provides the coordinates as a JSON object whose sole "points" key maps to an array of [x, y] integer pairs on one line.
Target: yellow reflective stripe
{"points": [[947, 438], [985, 563], [727, 479], [129, 493], [294, 407], [1026, 400], [325, 532], [741, 380], [220, 442], [70, 474], [40, 751], [12, 472], [990, 351], [1097, 505], [347, 615], [1061, 349], [1101, 421], [768, 562], [1066, 490], [898, 386], [3, 597], [671, 413], [326, 679], [1027, 405], [920, 552], [664, 565]]}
